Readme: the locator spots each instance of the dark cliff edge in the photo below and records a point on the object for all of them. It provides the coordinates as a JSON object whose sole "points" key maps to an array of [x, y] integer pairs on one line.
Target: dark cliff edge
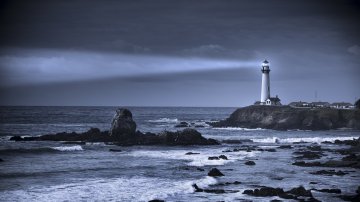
{"points": [[289, 118]]}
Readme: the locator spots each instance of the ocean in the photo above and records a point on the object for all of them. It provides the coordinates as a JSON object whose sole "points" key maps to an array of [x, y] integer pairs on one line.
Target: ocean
{"points": [[53, 171]]}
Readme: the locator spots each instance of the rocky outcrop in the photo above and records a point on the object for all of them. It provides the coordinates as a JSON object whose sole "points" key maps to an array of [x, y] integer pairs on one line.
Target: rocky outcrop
{"points": [[270, 191], [214, 172], [122, 126], [289, 118], [123, 132]]}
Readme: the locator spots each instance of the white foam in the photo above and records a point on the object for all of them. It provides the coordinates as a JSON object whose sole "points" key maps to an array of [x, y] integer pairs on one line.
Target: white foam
{"points": [[243, 129], [318, 140], [116, 189], [164, 120], [194, 159], [68, 148]]}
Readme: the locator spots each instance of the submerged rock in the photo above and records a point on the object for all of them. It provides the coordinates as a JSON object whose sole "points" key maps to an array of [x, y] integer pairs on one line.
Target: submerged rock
{"points": [[182, 124], [250, 163], [214, 191], [16, 138], [329, 172], [191, 153], [333, 191], [300, 191], [115, 150]]}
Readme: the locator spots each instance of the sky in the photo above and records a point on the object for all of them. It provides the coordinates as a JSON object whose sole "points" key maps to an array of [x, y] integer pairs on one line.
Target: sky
{"points": [[177, 53]]}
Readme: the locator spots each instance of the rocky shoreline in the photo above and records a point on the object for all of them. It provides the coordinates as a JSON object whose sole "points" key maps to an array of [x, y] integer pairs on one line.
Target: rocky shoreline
{"points": [[289, 118], [123, 132]]}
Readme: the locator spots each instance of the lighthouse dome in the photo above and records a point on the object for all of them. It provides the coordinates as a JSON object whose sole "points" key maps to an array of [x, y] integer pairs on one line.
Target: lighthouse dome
{"points": [[265, 63]]}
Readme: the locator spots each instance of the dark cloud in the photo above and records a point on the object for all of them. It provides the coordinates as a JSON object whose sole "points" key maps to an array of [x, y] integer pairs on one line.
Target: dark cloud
{"points": [[311, 44]]}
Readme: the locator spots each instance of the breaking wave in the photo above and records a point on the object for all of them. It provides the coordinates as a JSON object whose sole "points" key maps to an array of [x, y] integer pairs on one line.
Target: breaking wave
{"points": [[68, 148], [243, 129], [318, 140], [41, 150], [199, 159], [117, 189], [164, 120]]}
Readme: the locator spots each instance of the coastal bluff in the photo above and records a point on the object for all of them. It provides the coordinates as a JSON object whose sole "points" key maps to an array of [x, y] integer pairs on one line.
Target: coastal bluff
{"points": [[290, 118]]}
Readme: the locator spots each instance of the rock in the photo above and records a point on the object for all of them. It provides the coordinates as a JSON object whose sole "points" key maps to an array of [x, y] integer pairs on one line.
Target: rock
{"points": [[285, 147], [270, 150], [191, 153], [351, 157], [182, 124], [291, 194], [354, 198], [314, 148], [223, 157], [305, 164], [308, 155], [214, 172], [333, 191], [197, 189], [200, 169], [115, 150], [232, 141], [265, 191], [199, 126], [122, 126], [74, 142], [16, 138], [300, 191], [214, 191], [250, 163], [213, 158], [329, 172], [188, 136]]}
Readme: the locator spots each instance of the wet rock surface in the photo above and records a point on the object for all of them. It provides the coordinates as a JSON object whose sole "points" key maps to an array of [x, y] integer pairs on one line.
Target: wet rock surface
{"points": [[270, 191], [214, 172]]}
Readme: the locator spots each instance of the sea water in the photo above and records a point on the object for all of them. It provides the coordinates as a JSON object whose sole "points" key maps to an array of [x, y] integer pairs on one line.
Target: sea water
{"points": [[53, 171]]}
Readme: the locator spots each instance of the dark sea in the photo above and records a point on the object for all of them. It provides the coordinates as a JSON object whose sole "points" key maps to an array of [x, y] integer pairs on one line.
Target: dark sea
{"points": [[53, 171]]}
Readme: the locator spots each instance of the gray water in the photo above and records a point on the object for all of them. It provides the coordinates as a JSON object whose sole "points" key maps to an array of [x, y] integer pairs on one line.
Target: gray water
{"points": [[52, 171]]}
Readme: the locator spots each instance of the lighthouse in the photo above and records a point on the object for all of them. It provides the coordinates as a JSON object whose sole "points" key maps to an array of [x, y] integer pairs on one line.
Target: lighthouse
{"points": [[265, 83]]}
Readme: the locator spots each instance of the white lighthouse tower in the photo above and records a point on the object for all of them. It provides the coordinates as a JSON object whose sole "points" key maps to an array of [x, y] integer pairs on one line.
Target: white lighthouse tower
{"points": [[265, 84]]}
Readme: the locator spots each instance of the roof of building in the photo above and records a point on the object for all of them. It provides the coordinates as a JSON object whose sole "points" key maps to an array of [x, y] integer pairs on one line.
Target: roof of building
{"points": [[320, 103], [266, 62], [341, 104], [298, 103], [274, 99]]}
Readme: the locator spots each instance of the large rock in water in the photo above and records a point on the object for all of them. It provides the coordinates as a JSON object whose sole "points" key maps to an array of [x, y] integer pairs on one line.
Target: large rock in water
{"points": [[122, 126], [187, 136]]}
